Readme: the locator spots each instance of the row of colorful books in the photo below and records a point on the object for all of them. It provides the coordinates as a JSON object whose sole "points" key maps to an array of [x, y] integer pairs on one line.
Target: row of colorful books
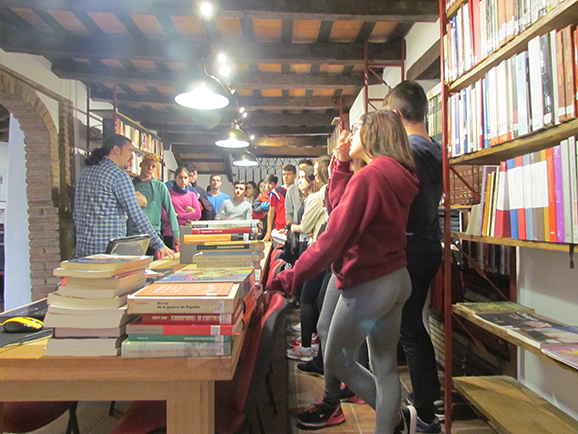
{"points": [[481, 27], [555, 339], [525, 93], [545, 206]]}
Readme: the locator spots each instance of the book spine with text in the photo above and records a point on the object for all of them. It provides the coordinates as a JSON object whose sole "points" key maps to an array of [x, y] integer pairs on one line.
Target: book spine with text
{"points": [[133, 337], [139, 350], [188, 305]]}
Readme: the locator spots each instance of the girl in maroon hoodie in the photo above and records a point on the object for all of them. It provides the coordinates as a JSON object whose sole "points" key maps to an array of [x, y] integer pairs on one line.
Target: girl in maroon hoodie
{"points": [[365, 244]]}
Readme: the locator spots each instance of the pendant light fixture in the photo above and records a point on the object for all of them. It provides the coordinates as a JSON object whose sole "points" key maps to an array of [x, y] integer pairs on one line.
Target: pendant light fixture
{"points": [[246, 159], [233, 137], [204, 93]]}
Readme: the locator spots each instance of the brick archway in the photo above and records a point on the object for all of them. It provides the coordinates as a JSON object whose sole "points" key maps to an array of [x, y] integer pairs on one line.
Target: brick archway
{"points": [[48, 178]]}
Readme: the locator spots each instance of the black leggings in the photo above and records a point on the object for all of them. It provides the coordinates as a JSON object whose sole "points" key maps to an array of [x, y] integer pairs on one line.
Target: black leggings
{"points": [[309, 310]]}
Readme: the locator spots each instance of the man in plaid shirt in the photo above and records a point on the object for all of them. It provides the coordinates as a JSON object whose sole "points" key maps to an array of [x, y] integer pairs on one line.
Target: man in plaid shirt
{"points": [[105, 196]]}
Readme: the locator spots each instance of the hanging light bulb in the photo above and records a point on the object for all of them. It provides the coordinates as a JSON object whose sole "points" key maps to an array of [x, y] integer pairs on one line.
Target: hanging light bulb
{"points": [[205, 93], [246, 159], [233, 137]]}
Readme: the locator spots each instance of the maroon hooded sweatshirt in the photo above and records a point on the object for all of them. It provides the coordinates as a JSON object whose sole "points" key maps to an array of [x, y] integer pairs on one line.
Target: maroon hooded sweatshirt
{"points": [[365, 237]]}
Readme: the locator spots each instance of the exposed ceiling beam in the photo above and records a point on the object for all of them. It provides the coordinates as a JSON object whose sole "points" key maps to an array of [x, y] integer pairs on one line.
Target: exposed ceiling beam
{"points": [[255, 103], [317, 130], [151, 117], [187, 51], [426, 64], [263, 80], [203, 142], [350, 10]]}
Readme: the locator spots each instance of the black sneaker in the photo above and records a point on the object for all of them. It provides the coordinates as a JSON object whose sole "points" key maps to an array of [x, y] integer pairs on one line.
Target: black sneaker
{"points": [[408, 421], [320, 415], [438, 404], [310, 368]]}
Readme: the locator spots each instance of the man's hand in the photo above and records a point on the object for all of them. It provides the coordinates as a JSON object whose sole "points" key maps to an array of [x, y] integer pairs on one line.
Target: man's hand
{"points": [[164, 251], [176, 241], [142, 201]]}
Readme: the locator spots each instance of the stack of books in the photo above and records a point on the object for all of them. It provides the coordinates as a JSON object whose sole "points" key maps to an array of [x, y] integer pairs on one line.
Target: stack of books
{"points": [[222, 244], [191, 313], [88, 311]]}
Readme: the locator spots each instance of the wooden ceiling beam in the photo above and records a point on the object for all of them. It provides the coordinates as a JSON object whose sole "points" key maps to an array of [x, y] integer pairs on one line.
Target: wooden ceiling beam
{"points": [[150, 117], [344, 10], [257, 81], [126, 47], [206, 142], [316, 130], [254, 103], [426, 65]]}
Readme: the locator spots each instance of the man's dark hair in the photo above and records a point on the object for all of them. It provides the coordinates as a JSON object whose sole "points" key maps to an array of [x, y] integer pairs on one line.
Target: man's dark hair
{"points": [[305, 161], [215, 174], [409, 99], [97, 155], [271, 178], [191, 167], [290, 168], [240, 181]]}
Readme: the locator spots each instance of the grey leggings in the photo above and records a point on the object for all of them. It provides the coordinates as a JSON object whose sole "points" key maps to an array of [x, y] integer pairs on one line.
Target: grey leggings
{"points": [[372, 311]]}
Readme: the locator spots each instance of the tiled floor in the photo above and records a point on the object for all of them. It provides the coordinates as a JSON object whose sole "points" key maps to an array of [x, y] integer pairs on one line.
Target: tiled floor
{"points": [[296, 393]]}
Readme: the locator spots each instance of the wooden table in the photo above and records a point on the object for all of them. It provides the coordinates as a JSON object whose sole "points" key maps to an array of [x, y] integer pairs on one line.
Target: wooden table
{"points": [[187, 384]]}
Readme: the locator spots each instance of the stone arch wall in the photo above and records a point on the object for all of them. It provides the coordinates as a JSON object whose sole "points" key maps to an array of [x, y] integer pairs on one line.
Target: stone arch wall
{"points": [[49, 178]]}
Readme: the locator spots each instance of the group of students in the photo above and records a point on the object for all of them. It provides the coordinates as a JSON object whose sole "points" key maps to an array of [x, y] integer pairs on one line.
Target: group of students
{"points": [[382, 243]]}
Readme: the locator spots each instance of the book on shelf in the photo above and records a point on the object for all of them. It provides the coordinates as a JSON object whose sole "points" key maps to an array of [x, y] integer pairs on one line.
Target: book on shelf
{"points": [[215, 297], [185, 329], [81, 320], [94, 274], [205, 238], [209, 262], [198, 318], [566, 354], [244, 276], [119, 282], [223, 224], [94, 293], [522, 318], [72, 332], [57, 299], [106, 262], [545, 337], [83, 347], [137, 350], [225, 230], [179, 338], [492, 307]]}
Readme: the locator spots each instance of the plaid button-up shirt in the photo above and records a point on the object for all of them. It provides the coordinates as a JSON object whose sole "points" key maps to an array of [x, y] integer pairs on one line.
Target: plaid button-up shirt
{"points": [[104, 197]]}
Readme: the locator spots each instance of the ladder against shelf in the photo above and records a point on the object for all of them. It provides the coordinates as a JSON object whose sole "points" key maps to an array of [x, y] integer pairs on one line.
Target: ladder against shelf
{"points": [[513, 408]]}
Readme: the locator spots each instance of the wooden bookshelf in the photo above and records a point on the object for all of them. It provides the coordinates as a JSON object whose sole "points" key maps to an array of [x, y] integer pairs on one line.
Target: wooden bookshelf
{"points": [[535, 141], [561, 15], [511, 407], [558, 247], [503, 333]]}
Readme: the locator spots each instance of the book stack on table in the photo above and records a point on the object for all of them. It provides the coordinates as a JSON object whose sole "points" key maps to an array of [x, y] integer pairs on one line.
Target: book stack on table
{"points": [[191, 313], [88, 312], [222, 244]]}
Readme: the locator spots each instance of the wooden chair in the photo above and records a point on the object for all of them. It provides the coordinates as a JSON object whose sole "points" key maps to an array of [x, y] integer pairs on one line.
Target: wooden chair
{"points": [[235, 399], [23, 417]]}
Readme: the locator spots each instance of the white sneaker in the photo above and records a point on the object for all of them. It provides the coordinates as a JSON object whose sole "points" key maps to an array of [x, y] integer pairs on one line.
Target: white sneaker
{"points": [[304, 354], [296, 327]]}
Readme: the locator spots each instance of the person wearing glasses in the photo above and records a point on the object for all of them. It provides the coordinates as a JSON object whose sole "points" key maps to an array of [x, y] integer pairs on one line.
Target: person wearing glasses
{"points": [[424, 251], [365, 245]]}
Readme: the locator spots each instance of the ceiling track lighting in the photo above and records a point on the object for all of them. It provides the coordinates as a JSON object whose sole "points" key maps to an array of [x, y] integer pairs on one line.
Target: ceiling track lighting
{"points": [[246, 159], [233, 137]]}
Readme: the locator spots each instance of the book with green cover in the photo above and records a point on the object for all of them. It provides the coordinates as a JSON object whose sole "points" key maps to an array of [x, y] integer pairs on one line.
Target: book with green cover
{"points": [[493, 306]]}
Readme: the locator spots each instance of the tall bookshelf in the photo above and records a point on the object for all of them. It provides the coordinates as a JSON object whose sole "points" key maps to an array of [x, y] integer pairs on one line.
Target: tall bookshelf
{"points": [[143, 140], [490, 117]]}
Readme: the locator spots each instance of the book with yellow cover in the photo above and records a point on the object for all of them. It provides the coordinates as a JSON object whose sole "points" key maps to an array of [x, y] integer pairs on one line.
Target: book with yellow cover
{"points": [[106, 262]]}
